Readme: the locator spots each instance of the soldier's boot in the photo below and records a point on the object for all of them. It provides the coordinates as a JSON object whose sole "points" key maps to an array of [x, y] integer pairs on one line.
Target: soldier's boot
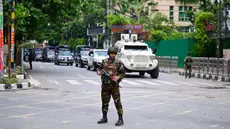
{"points": [[104, 119], [120, 120], [185, 74], [189, 75]]}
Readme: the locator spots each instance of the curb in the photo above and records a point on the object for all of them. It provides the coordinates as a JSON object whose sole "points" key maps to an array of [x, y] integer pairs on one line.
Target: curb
{"points": [[168, 71], [24, 85], [208, 77]]}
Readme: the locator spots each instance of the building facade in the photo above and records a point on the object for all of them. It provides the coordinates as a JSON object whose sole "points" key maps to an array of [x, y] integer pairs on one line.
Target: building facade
{"points": [[175, 11]]}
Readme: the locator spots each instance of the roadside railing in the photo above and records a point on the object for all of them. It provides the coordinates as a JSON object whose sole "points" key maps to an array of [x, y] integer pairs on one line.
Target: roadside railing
{"points": [[202, 65], [167, 62]]}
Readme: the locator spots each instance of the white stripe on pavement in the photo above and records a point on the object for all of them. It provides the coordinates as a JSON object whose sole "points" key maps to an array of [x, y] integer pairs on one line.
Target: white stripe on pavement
{"points": [[207, 84], [165, 82], [130, 82], [74, 82], [186, 83], [148, 82], [53, 82], [92, 82]]}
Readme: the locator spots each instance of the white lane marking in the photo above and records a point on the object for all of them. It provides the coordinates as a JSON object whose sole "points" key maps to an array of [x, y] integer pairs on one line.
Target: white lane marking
{"points": [[130, 82], [81, 76], [92, 82], [214, 126], [186, 83], [150, 95], [145, 106], [53, 101], [53, 82], [207, 84], [148, 82], [73, 82], [185, 112], [165, 82], [195, 97]]}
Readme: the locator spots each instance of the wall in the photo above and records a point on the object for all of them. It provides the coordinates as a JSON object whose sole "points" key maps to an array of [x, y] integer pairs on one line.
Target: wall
{"points": [[178, 48]]}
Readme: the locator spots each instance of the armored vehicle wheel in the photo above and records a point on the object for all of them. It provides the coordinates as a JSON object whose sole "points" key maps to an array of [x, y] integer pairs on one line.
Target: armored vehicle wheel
{"points": [[76, 64], [142, 74], [155, 73], [71, 64]]}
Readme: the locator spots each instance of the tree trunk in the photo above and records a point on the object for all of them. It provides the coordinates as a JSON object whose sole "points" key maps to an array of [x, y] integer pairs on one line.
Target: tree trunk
{"points": [[18, 54]]}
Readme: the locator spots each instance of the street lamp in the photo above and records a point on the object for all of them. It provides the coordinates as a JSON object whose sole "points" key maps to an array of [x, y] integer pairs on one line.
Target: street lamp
{"points": [[218, 34]]}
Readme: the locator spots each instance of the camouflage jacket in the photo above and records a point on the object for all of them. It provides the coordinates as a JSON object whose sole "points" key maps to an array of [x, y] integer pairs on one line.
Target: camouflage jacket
{"points": [[188, 62], [114, 68]]}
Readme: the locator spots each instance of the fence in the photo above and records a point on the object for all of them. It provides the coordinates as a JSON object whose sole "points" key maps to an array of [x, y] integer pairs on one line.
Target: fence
{"points": [[202, 65]]}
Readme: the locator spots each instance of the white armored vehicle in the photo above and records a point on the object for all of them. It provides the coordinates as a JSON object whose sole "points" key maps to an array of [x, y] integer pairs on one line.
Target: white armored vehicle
{"points": [[136, 56]]}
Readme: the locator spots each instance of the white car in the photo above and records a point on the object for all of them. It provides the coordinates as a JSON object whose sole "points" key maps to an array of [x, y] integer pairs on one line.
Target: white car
{"points": [[95, 58], [137, 57]]}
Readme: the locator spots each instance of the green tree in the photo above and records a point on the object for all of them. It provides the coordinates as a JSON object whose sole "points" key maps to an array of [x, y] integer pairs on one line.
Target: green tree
{"points": [[204, 44]]}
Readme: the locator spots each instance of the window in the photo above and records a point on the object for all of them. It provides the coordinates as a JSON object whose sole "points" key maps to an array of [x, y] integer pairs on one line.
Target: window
{"points": [[100, 53], [84, 53], [171, 13], [182, 13], [50, 52], [65, 53], [128, 47]]}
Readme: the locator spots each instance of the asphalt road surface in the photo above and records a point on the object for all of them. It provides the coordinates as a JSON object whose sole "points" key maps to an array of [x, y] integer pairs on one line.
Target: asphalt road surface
{"points": [[69, 98]]}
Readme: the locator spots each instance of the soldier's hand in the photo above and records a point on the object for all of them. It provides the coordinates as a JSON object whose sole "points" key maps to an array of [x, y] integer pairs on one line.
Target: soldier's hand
{"points": [[116, 78], [99, 73]]}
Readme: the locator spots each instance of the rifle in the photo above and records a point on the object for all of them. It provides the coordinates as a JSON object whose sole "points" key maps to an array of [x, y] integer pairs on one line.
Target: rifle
{"points": [[107, 76]]}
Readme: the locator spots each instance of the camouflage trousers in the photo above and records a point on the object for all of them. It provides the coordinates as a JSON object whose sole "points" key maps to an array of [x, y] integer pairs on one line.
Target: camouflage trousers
{"points": [[106, 93], [186, 72]]}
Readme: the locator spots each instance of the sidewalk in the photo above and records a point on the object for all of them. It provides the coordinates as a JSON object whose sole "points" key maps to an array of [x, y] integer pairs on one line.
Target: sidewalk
{"points": [[207, 76]]}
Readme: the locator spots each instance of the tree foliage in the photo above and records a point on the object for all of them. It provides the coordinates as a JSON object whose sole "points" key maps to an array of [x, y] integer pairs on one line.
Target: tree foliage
{"points": [[204, 44]]}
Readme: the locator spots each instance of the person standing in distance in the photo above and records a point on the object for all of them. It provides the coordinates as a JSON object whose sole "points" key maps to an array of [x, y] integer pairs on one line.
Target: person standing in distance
{"points": [[188, 65], [110, 87], [31, 56]]}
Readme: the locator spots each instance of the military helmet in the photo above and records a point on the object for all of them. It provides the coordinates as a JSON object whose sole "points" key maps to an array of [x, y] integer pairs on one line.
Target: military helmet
{"points": [[112, 50], [189, 53]]}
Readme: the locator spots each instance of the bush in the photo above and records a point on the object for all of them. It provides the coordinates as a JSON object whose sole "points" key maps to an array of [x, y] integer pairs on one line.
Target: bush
{"points": [[7, 80], [157, 35]]}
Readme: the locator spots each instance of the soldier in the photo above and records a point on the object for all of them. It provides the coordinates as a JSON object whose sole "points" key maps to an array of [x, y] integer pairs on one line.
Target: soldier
{"points": [[188, 65], [31, 58], [110, 87]]}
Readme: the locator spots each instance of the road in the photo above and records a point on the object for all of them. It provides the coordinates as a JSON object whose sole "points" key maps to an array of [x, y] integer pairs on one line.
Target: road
{"points": [[69, 98]]}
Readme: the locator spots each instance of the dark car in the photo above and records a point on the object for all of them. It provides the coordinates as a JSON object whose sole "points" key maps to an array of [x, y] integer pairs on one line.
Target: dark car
{"points": [[64, 57], [82, 59], [77, 54]]}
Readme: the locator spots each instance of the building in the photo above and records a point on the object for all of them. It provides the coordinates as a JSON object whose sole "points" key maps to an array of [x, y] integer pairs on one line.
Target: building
{"points": [[175, 11]]}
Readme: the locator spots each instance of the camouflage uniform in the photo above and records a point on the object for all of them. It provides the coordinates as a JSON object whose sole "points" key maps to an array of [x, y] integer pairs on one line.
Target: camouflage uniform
{"points": [[114, 67], [188, 65]]}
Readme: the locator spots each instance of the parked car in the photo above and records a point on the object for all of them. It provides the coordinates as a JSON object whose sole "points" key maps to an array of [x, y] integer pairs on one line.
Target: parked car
{"points": [[38, 57], [82, 59], [95, 58], [64, 57]]}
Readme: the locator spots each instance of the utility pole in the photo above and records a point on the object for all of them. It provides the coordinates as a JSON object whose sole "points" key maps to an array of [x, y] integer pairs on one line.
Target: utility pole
{"points": [[1, 40], [106, 23], [218, 34], [9, 46], [12, 33]]}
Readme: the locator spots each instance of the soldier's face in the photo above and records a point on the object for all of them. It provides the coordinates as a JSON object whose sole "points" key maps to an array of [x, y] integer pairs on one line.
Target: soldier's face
{"points": [[112, 55]]}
